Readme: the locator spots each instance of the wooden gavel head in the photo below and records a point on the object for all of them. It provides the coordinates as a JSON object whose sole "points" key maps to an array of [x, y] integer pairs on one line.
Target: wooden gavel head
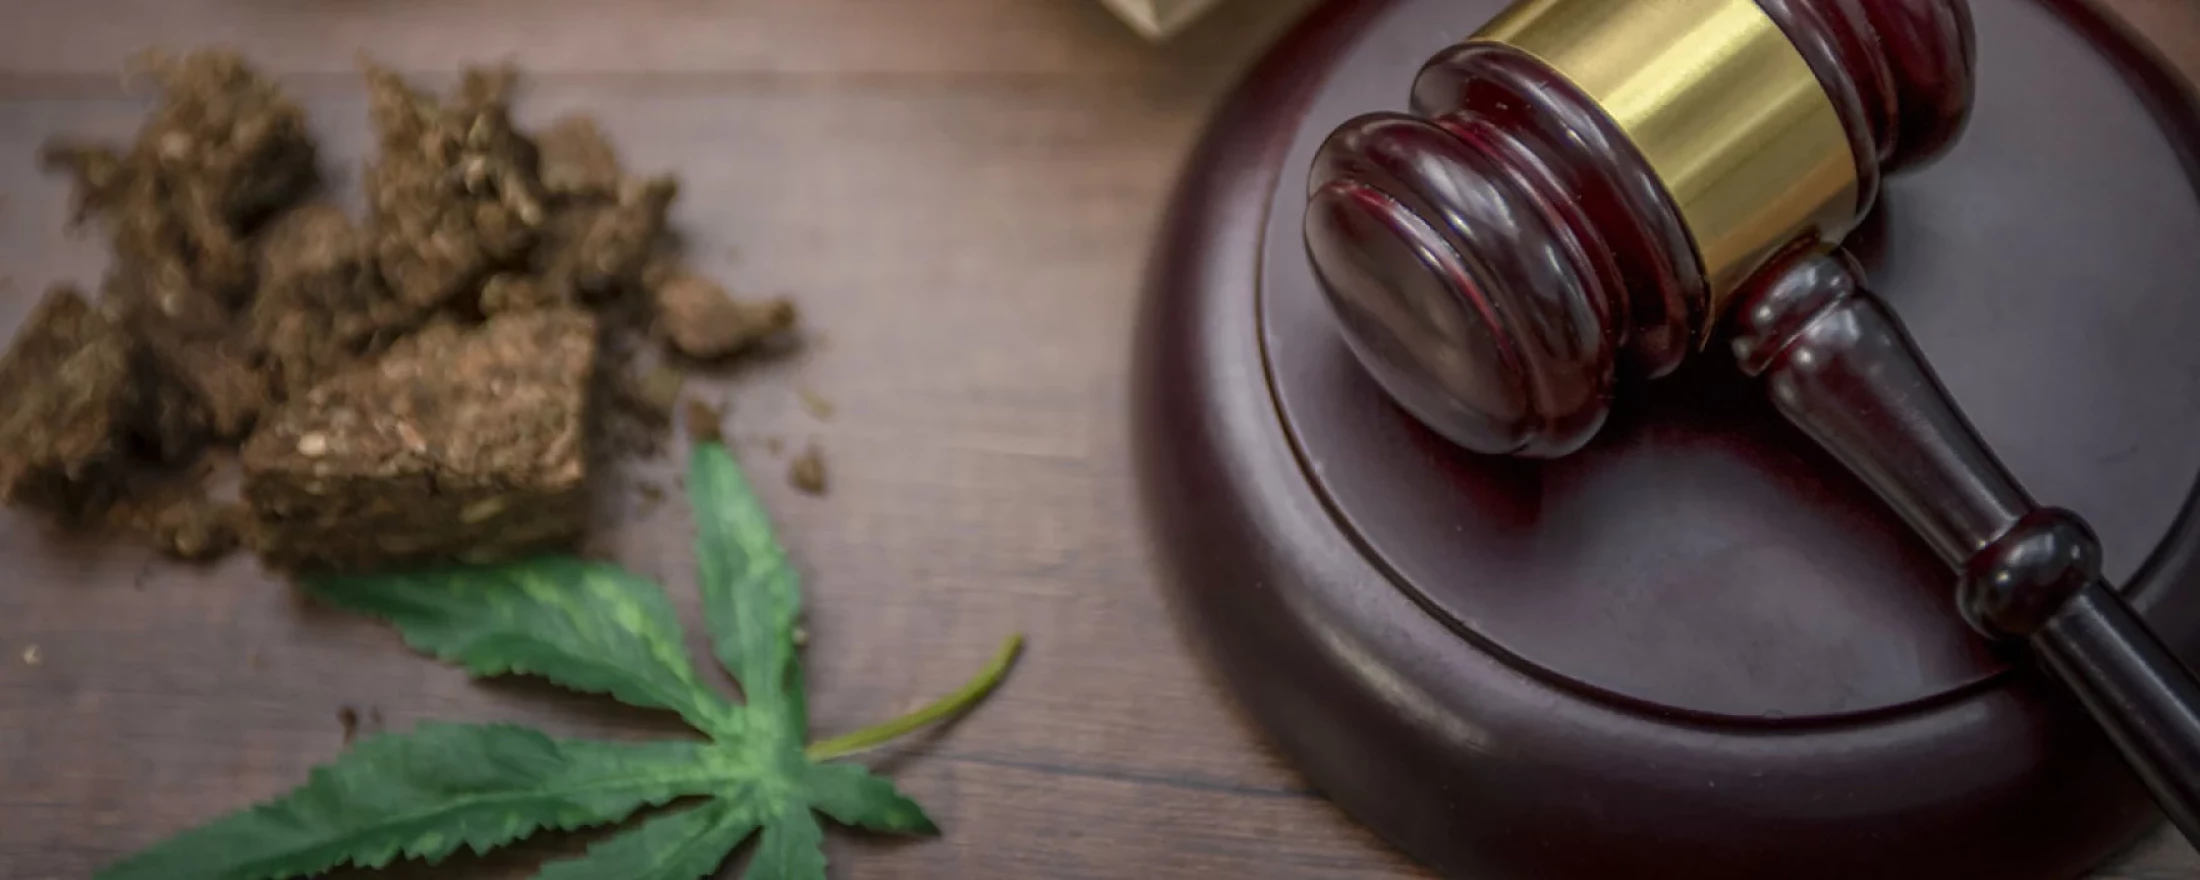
{"points": [[1585, 186]]}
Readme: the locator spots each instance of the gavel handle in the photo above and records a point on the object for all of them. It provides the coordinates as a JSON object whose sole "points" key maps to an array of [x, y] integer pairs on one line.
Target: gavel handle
{"points": [[1841, 367], [2136, 689]]}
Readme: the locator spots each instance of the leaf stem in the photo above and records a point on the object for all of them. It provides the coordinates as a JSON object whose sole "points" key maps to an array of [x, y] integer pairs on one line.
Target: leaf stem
{"points": [[955, 703]]}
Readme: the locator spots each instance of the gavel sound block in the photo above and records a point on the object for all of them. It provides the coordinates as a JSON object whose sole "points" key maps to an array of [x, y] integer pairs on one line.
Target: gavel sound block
{"points": [[1574, 596]]}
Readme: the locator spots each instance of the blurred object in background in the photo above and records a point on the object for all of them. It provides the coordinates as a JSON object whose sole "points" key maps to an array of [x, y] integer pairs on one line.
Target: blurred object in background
{"points": [[1158, 19]]}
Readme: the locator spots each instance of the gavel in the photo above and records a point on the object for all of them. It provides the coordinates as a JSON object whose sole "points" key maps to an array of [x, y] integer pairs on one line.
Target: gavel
{"points": [[1586, 190]]}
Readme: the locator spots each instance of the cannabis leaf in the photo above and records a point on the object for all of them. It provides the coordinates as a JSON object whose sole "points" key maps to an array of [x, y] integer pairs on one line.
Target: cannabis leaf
{"points": [[600, 629]]}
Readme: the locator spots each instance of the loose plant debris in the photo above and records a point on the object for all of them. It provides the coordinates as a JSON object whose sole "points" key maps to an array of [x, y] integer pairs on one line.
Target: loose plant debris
{"points": [[243, 307], [703, 322], [599, 629], [181, 518], [651, 496], [817, 405], [649, 397], [348, 719], [807, 471], [706, 423]]}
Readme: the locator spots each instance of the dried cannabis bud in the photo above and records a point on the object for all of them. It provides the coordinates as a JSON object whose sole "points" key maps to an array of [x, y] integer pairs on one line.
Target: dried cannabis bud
{"points": [[72, 379], [514, 292], [451, 321], [206, 387], [577, 160], [321, 305], [601, 248], [454, 194], [222, 151]]}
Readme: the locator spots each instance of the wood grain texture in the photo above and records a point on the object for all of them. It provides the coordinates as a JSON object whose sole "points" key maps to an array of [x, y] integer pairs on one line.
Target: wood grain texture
{"points": [[959, 193]]}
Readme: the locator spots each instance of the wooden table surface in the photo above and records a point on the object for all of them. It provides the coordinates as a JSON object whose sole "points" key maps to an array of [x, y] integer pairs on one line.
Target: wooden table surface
{"points": [[960, 194]]}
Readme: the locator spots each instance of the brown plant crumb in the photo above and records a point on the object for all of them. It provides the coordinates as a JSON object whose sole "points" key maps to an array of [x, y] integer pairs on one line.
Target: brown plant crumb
{"points": [[183, 522], [817, 405], [348, 719], [702, 321], [577, 159], [705, 423], [655, 394], [200, 530], [639, 409], [651, 494], [807, 471]]}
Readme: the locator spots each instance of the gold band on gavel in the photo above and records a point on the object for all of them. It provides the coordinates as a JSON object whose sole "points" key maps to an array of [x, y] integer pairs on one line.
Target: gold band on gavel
{"points": [[1725, 109]]}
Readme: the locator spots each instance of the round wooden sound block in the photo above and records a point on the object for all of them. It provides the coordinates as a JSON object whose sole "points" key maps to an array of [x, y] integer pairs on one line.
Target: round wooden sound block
{"points": [[1698, 648]]}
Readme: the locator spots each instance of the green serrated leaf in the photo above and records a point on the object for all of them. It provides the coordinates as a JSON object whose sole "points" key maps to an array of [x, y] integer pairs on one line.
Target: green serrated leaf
{"points": [[791, 848], [600, 629], [855, 796], [685, 845], [426, 793], [589, 626], [752, 598]]}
